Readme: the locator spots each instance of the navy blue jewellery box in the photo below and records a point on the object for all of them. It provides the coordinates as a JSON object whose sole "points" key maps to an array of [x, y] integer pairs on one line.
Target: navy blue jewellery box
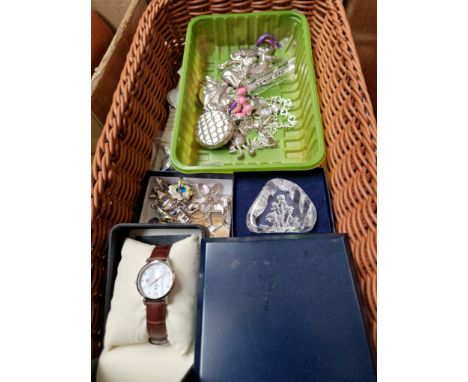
{"points": [[280, 308], [314, 183]]}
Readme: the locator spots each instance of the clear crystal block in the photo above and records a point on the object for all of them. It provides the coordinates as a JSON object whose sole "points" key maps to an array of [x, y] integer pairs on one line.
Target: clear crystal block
{"points": [[281, 206]]}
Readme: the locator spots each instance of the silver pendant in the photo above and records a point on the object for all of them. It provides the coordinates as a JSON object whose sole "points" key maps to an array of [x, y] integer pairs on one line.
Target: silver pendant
{"points": [[216, 95], [233, 75], [239, 143], [214, 129]]}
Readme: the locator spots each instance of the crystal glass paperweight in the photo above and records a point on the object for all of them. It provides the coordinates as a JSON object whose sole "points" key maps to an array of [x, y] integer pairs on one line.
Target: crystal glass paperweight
{"points": [[281, 206]]}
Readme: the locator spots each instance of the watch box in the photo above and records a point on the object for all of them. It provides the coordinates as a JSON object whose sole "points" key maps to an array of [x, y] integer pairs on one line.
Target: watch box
{"points": [[280, 308], [143, 213], [127, 356], [313, 182]]}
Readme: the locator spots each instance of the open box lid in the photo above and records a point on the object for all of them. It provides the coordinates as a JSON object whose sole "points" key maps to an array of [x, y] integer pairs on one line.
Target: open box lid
{"points": [[280, 308]]}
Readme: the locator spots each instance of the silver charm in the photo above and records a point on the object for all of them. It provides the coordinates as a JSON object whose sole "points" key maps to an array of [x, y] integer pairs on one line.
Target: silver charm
{"points": [[239, 143], [162, 216], [214, 129], [281, 206], [246, 63], [216, 95], [233, 75]]}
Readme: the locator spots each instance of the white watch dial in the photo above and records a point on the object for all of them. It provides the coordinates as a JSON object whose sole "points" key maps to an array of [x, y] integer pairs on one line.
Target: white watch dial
{"points": [[155, 280]]}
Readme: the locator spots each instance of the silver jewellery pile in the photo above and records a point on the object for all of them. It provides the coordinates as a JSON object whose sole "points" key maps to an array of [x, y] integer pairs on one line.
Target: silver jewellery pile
{"points": [[281, 206], [231, 112], [192, 203]]}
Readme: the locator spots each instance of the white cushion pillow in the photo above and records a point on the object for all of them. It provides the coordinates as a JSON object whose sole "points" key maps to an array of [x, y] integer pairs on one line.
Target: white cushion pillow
{"points": [[143, 363], [126, 322]]}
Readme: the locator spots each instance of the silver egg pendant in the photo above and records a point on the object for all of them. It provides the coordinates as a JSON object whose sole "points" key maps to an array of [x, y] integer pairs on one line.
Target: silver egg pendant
{"points": [[214, 129]]}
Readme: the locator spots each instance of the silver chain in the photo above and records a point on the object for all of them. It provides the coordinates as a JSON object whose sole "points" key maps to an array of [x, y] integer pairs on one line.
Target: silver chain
{"points": [[267, 126]]}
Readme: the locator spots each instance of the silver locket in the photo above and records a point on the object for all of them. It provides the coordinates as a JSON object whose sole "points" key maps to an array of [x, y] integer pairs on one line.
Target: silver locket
{"points": [[214, 129]]}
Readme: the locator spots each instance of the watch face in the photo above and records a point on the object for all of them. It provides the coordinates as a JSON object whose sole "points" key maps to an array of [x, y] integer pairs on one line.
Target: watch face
{"points": [[155, 280]]}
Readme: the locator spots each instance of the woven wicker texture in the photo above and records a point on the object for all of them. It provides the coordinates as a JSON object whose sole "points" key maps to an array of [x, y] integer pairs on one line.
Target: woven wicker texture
{"points": [[139, 111]]}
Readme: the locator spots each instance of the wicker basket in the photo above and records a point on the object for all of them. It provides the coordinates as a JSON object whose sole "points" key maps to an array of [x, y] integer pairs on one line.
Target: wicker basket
{"points": [[139, 111]]}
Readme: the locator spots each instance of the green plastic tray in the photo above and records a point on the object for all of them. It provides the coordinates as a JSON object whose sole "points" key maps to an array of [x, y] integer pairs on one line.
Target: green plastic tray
{"points": [[210, 41]]}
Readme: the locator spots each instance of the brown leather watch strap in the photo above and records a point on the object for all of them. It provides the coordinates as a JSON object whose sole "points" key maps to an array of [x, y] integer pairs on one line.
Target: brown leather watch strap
{"points": [[160, 252], [156, 310], [156, 321]]}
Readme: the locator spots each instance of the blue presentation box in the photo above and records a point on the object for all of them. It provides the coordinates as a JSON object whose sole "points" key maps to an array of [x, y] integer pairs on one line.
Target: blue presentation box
{"points": [[280, 308]]}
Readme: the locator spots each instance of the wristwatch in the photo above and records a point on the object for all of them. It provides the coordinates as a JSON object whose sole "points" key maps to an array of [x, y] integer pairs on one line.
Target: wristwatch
{"points": [[154, 282]]}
